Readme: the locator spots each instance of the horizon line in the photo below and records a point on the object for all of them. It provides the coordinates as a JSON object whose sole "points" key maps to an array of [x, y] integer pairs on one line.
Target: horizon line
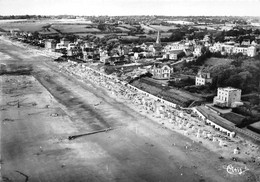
{"points": [[137, 15]]}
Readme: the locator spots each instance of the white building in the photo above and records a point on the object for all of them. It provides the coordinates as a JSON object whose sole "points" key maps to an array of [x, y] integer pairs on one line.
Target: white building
{"points": [[50, 44], [63, 44], [104, 58], [179, 46], [217, 47], [172, 55], [162, 71], [197, 51], [71, 46], [242, 50], [251, 51], [228, 97], [136, 55], [203, 78], [233, 49]]}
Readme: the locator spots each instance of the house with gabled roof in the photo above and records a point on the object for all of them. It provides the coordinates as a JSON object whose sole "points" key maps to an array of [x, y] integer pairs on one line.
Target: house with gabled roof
{"points": [[162, 71]]}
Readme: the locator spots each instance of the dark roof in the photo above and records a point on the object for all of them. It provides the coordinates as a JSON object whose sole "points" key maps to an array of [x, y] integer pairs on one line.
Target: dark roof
{"points": [[255, 127], [216, 119], [160, 65], [234, 118], [203, 75], [176, 51]]}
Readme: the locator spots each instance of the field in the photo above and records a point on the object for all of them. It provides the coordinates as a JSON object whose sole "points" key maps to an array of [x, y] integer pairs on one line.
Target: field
{"points": [[155, 28], [130, 37], [163, 28], [29, 26], [163, 34], [147, 29], [74, 28], [127, 26], [78, 27], [217, 61], [63, 26], [123, 29], [205, 27]]}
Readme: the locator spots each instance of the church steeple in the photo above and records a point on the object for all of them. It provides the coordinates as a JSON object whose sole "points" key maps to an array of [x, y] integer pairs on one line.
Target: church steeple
{"points": [[158, 39]]}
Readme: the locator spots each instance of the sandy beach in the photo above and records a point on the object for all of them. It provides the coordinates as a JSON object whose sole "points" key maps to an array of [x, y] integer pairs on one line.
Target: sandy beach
{"points": [[40, 111]]}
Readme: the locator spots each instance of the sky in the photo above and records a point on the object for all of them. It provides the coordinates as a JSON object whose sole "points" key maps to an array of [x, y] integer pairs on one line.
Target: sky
{"points": [[131, 7]]}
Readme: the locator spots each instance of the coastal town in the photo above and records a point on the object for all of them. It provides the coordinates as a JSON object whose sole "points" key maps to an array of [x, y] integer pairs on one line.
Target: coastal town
{"points": [[198, 77]]}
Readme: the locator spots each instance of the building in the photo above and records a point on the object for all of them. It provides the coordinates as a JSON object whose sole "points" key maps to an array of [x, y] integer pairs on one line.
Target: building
{"points": [[246, 42], [175, 46], [157, 46], [71, 46], [217, 47], [104, 57], [203, 78], [255, 127], [50, 44], [197, 51], [64, 42], [172, 55], [75, 51], [227, 49], [162, 71], [242, 50], [228, 97], [251, 51], [232, 48], [88, 54]]}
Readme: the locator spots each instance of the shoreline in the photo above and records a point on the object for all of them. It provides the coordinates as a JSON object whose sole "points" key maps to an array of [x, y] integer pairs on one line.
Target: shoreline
{"points": [[218, 144]]}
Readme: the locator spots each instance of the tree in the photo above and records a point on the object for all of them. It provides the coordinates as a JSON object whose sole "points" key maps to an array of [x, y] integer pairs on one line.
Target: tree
{"points": [[177, 36], [257, 31], [101, 27], [35, 35], [203, 50], [150, 32]]}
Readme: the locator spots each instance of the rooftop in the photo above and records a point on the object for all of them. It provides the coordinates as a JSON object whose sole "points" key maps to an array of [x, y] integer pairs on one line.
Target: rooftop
{"points": [[160, 65], [256, 125], [176, 51], [203, 75], [211, 115], [229, 89]]}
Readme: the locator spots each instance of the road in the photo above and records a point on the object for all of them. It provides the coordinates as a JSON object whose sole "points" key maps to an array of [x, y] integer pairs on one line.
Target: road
{"points": [[34, 135]]}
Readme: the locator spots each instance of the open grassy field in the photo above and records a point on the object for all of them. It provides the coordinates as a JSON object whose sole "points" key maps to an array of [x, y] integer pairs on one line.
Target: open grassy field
{"points": [[48, 31], [74, 28], [130, 37], [123, 29], [148, 28], [82, 28], [217, 61], [28, 26], [163, 28], [127, 26], [64, 26], [203, 27], [163, 35]]}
